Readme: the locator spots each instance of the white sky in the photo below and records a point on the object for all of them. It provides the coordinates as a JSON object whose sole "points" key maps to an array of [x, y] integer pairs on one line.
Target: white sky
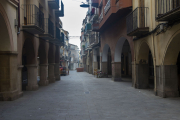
{"points": [[73, 17]]}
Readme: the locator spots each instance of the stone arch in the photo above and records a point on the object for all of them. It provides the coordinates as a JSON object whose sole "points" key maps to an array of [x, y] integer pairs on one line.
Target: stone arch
{"points": [[118, 49], [43, 52], [145, 67], [172, 50], [43, 63], [106, 65], [57, 63], [143, 52], [171, 65], [105, 53], [29, 70], [51, 63], [6, 34]]}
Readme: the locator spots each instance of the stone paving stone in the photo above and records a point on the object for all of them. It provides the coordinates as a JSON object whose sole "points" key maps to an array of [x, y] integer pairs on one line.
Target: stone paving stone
{"points": [[81, 96]]}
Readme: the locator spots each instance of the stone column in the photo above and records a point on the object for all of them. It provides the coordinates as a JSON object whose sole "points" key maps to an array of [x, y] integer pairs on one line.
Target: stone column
{"points": [[133, 73], [167, 81], [104, 67], [43, 75], [9, 80], [142, 76], [32, 77], [51, 76], [57, 72], [116, 71]]}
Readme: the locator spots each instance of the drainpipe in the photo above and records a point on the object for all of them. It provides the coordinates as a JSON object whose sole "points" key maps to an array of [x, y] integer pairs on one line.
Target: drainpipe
{"points": [[134, 67], [154, 57]]}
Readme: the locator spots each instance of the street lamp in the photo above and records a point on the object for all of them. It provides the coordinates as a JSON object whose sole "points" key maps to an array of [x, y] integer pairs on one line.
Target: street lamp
{"points": [[84, 5]]}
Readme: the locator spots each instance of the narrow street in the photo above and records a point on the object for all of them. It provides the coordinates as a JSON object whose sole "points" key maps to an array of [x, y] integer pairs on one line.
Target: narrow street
{"points": [[81, 96]]}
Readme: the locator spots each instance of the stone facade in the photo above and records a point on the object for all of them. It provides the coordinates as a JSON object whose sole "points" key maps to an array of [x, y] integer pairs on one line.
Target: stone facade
{"points": [[26, 52]]}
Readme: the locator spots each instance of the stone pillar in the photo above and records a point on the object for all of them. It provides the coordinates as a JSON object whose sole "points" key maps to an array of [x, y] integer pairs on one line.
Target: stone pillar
{"points": [[32, 77], [167, 81], [104, 67], [43, 75], [51, 76], [142, 76], [9, 82], [57, 72], [116, 71], [133, 74]]}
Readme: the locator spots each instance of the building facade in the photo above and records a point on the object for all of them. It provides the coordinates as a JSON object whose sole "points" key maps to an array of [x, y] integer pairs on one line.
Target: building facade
{"points": [[65, 49], [74, 57], [156, 33], [30, 45], [111, 50], [138, 39]]}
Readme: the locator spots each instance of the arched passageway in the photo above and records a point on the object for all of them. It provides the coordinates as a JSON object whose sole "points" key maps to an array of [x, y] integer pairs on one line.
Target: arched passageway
{"points": [[29, 70], [170, 70], [43, 63], [145, 68], [107, 60], [122, 60], [57, 63], [51, 63], [9, 84]]}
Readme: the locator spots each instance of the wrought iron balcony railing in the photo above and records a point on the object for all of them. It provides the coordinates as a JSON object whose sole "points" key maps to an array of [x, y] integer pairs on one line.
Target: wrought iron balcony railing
{"points": [[137, 22], [33, 19], [167, 10], [92, 38], [107, 7], [58, 33], [49, 27], [101, 16]]}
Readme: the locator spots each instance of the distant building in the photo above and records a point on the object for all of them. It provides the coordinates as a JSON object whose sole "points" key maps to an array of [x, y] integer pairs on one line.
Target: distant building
{"points": [[74, 57], [64, 51]]}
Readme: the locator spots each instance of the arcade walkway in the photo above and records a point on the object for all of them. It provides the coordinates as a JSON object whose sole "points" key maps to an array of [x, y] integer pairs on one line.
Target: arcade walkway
{"points": [[80, 96]]}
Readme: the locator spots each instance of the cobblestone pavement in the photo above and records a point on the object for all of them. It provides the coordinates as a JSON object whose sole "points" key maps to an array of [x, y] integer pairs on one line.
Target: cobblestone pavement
{"points": [[80, 96]]}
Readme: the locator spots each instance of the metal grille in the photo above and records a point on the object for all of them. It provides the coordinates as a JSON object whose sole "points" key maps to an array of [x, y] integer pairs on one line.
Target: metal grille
{"points": [[165, 6], [137, 19], [33, 16]]}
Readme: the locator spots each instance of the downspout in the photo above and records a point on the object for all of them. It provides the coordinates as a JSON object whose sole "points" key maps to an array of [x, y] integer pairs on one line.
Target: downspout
{"points": [[134, 67], [154, 57], [18, 18]]}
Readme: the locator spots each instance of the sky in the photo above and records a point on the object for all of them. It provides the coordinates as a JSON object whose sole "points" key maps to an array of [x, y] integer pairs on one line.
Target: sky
{"points": [[72, 20]]}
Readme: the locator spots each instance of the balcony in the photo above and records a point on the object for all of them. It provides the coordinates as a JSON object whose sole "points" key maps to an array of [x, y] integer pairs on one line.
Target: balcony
{"points": [[57, 36], [167, 10], [54, 4], [49, 30], [60, 13], [92, 39], [95, 3], [136, 22], [112, 11], [107, 7], [33, 19], [88, 28], [62, 38], [101, 16]]}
